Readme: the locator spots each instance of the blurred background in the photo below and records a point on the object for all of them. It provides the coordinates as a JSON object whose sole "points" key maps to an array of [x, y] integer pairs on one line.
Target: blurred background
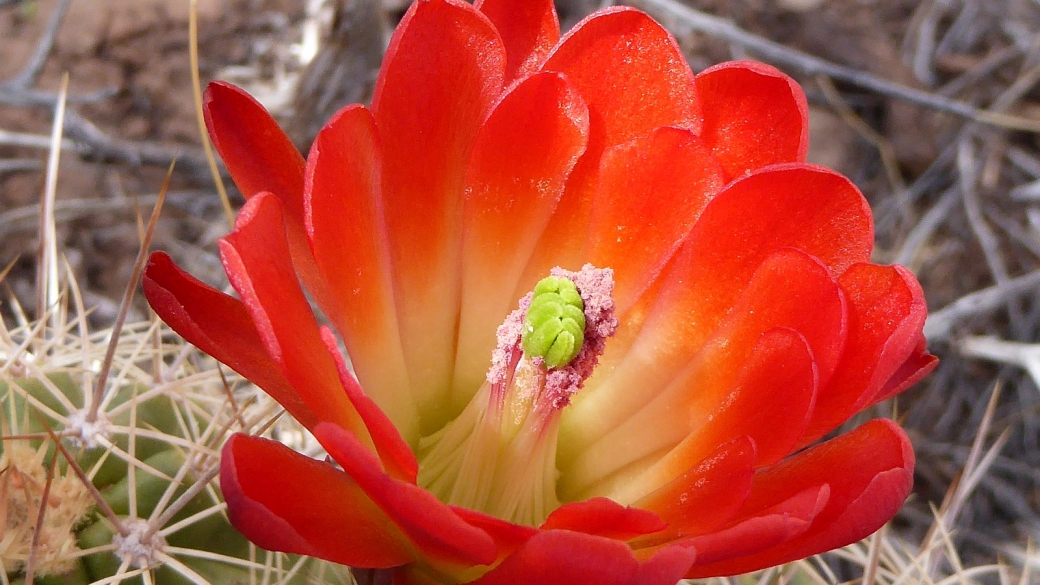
{"points": [[931, 107]]}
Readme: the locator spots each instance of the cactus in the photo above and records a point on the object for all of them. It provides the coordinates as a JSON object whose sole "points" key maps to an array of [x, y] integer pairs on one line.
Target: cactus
{"points": [[150, 508]]}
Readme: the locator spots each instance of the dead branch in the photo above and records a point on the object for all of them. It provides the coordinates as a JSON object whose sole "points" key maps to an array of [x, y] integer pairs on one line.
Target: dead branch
{"points": [[85, 138], [940, 323], [688, 18]]}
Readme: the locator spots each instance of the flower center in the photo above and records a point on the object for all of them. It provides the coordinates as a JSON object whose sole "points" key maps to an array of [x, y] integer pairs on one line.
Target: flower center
{"points": [[554, 327], [499, 455]]}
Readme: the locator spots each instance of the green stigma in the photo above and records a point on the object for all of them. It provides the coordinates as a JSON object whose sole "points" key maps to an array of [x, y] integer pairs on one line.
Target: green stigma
{"points": [[554, 327]]}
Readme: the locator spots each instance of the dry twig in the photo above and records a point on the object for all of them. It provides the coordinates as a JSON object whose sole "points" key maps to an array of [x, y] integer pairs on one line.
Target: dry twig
{"points": [[940, 323], [84, 137], [128, 296], [688, 18]]}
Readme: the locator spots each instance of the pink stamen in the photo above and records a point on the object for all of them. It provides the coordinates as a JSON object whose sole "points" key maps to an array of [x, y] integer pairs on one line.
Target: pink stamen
{"points": [[505, 356], [596, 287]]}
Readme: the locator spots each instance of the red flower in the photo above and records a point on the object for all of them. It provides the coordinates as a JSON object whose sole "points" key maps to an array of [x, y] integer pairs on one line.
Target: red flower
{"points": [[745, 320]]}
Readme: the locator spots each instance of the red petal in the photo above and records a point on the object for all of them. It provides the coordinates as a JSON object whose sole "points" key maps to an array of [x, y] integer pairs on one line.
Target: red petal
{"points": [[769, 528], [344, 219], [258, 154], [651, 191], [261, 158], [219, 325], [917, 366], [256, 259], [521, 159], [886, 315], [634, 78], [507, 536], [772, 399], [396, 455], [769, 403], [869, 472], [797, 206], [604, 517], [563, 557], [705, 496], [287, 502], [664, 389], [442, 72], [754, 116], [631, 72], [431, 526], [529, 30]]}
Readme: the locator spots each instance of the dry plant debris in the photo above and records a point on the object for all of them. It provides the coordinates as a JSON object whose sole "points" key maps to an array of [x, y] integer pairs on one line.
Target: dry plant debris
{"points": [[132, 493], [930, 106], [24, 480], [129, 427]]}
